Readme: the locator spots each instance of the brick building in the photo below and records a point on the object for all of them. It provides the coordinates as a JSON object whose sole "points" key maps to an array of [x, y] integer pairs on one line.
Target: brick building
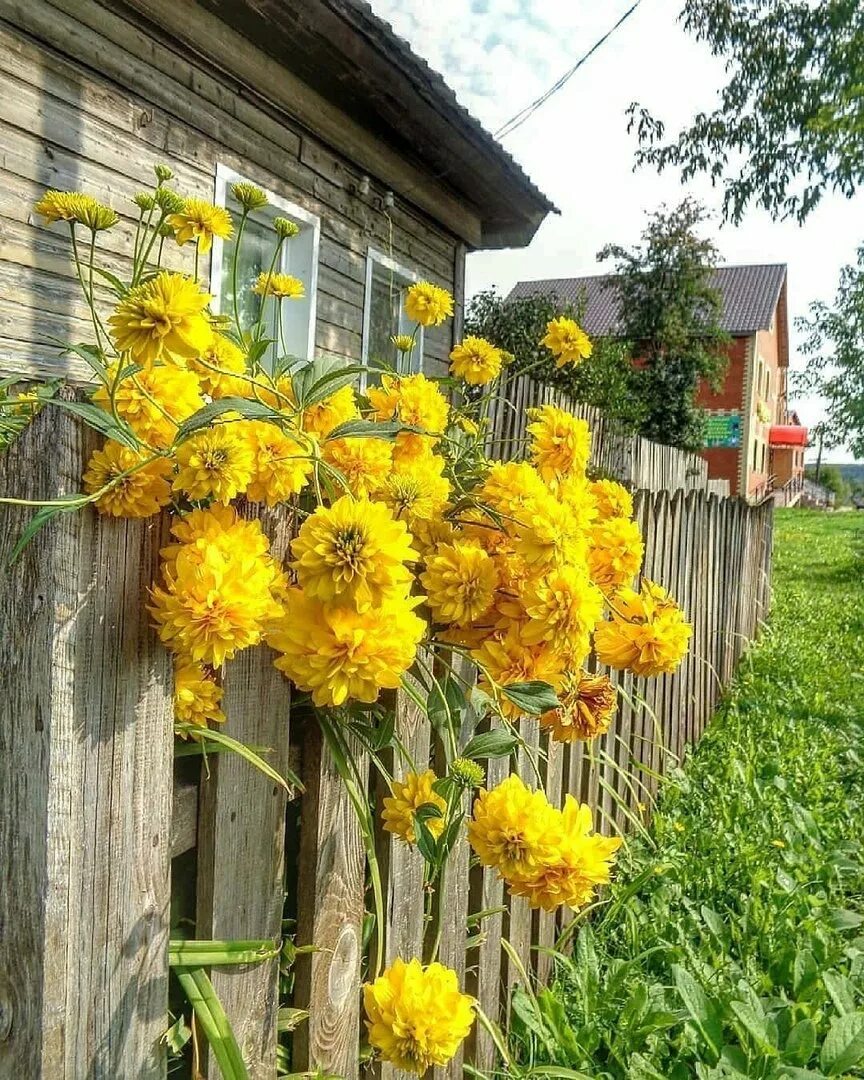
{"points": [[752, 439]]}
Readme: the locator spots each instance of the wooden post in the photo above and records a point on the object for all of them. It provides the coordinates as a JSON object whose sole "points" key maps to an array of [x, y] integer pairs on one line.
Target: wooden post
{"points": [[86, 747]]}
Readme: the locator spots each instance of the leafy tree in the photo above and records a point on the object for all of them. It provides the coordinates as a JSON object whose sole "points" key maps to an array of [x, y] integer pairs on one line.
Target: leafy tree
{"points": [[790, 121], [608, 380], [831, 478], [834, 343], [670, 312]]}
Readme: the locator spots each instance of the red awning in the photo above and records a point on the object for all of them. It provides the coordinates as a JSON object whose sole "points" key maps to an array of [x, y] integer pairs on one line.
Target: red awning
{"points": [[787, 435]]}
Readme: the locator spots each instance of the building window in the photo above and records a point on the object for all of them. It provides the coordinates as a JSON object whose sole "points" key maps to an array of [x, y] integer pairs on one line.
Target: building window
{"points": [[384, 318], [755, 454], [762, 468], [299, 256]]}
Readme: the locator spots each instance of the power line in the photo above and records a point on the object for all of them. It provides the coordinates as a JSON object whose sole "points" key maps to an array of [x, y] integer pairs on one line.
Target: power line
{"points": [[519, 118]]}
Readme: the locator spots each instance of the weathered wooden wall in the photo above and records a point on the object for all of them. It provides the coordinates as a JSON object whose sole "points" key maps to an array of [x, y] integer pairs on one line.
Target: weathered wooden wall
{"points": [[85, 787], [90, 101]]}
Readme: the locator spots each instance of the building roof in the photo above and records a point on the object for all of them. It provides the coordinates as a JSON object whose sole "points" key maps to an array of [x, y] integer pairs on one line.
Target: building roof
{"points": [[750, 296], [356, 61]]}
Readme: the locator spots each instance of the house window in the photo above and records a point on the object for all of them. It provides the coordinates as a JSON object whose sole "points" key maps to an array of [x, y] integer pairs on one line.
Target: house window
{"points": [[295, 337], [384, 318], [755, 454]]}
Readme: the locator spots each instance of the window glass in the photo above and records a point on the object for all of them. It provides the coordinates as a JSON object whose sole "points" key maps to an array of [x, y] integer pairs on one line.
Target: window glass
{"points": [[385, 319]]}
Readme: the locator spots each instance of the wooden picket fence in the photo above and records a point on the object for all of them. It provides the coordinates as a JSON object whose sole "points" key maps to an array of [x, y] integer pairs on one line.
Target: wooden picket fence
{"points": [[103, 844]]}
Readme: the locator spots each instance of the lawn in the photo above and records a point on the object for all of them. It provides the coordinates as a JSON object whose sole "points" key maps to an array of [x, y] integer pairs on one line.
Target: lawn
{"points": [[733, 943]]}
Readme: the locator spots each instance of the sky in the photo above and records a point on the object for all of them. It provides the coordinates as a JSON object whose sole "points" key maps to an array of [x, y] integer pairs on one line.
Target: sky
{"points": [[499, 55]]}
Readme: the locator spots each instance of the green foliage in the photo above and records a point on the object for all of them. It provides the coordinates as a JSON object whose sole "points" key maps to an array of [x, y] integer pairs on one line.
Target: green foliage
{"points": [[671, 314], [734, 947], [831, 478], [607, 381], [834, 346], [789, 124]]}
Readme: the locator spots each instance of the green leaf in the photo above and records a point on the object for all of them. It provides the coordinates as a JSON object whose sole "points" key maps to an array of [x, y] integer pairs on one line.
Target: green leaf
{"points": [[845, 920], [754, 1025], [90, 354], [116, 284], [500, 742], [841, 991], [366, 429], [800, 1043], [288, 1019], [99, 420], [701, 1010], [532, 697], [805, 974], [246, 407], [426, 843], [213, 1021], [436, 708], [427, 811], [189, 953], [843, 1047], [42, 516], [176, 1037], [320, 378], [225, 741]]}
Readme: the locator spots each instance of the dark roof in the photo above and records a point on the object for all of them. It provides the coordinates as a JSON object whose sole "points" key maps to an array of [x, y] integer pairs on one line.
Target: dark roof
{"points": [[355, 60], [750, 297]]}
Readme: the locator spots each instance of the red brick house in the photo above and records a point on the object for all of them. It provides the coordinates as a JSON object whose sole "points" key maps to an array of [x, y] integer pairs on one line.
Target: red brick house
{"points": [[752, 439]]}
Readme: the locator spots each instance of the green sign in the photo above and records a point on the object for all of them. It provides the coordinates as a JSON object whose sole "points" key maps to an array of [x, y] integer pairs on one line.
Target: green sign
{"points": [[723, 430]]}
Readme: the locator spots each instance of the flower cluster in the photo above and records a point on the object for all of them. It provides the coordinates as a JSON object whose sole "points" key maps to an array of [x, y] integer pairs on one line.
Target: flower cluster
{"points": [[549, 856]]}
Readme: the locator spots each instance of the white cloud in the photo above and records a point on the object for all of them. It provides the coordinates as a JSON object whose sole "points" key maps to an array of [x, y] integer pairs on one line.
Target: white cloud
{"points": [[498, 55]]}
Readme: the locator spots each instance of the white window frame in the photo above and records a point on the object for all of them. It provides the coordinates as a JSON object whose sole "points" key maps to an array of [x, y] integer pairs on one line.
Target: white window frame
{"points": [[375, 257], [226, 176]]}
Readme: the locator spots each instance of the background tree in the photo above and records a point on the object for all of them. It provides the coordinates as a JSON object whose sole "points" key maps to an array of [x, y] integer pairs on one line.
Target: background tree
{"points": [[607, 380], [670, 313], [834, 344], [832, 478], [790, 121]]}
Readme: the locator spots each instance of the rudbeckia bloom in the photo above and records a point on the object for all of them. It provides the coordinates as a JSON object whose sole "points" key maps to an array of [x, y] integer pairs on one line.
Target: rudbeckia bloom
{"points": [[588, 704], [139, 495], [428, 304], [559, 442], [162, 319], [340, 407], [476, 361], [153, 401], [416, 1016], [460, 581], [216, 462], [407, 796], [281, 286], [647, 633], [612, 499], [615, 551], [221, 369], [196, 696], [507, 658], [364, 463], [200, 221], [353, 552], [562, 607], [514, 829], [567, 341]]}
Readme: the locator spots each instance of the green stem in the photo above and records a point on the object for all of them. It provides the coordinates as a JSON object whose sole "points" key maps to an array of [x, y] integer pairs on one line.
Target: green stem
{"points": [[234, 258]]}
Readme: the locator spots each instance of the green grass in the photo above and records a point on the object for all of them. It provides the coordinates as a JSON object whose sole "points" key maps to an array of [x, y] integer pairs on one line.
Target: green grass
{"points": [[735, 946]]}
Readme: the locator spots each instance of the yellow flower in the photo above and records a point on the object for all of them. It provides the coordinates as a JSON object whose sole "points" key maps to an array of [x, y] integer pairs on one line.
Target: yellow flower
{"points": [[507, 658], [509, 487], [563, 607], [200, 221], [515, 830], [460, 582], [217, 526], [567, 341], [612, 499], [647, 633], [588, 704], [778, 843], [365, 463], [428, 304], [339, 408], [416, 490], [340, 654], [574, 493], [249, 196], [581, 863], [469, 426], [196, 696], [153, 401], [222, 369], [216, 603], [615, 551], [430, 533], [72, 206], [475, 360], [415, 401], [416, 1016], [281, 465], [282, 286], [163, 319], [353, 552], [407, 797], [216, 463], [547, 535], [403, 343], [560, 443], [141, 494]]}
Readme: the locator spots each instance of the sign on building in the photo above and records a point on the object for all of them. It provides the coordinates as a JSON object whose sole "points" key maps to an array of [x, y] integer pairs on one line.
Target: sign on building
{"points": [[723, 430]]}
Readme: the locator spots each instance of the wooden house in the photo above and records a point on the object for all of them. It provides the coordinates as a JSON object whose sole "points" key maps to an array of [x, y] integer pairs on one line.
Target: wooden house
{"points": [[319, 103]]}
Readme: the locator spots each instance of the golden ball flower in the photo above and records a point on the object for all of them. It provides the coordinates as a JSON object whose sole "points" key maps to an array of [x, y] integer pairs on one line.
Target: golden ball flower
{"points": [[562, 608], [416, 490], [280, 286], [507, 658], [77, 208], [197, 696], [403, 343], [559, 444], [546, 535], [647, 633], [200, 221], [164, 318], [476, 361], [285, 229], [415, 401], [588, 704], [567, 341], [215, 463], [153, 401], [612, 499], [615, 551], [140, 494], [514, 829], [221, 369], [248, 196], [338, 653], [416, 1016], [364, 463], [460, 581], [281, 464], [509, 487], [353, 552], [428, 304], [406, 798], [323, 417], [216, 526]]}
